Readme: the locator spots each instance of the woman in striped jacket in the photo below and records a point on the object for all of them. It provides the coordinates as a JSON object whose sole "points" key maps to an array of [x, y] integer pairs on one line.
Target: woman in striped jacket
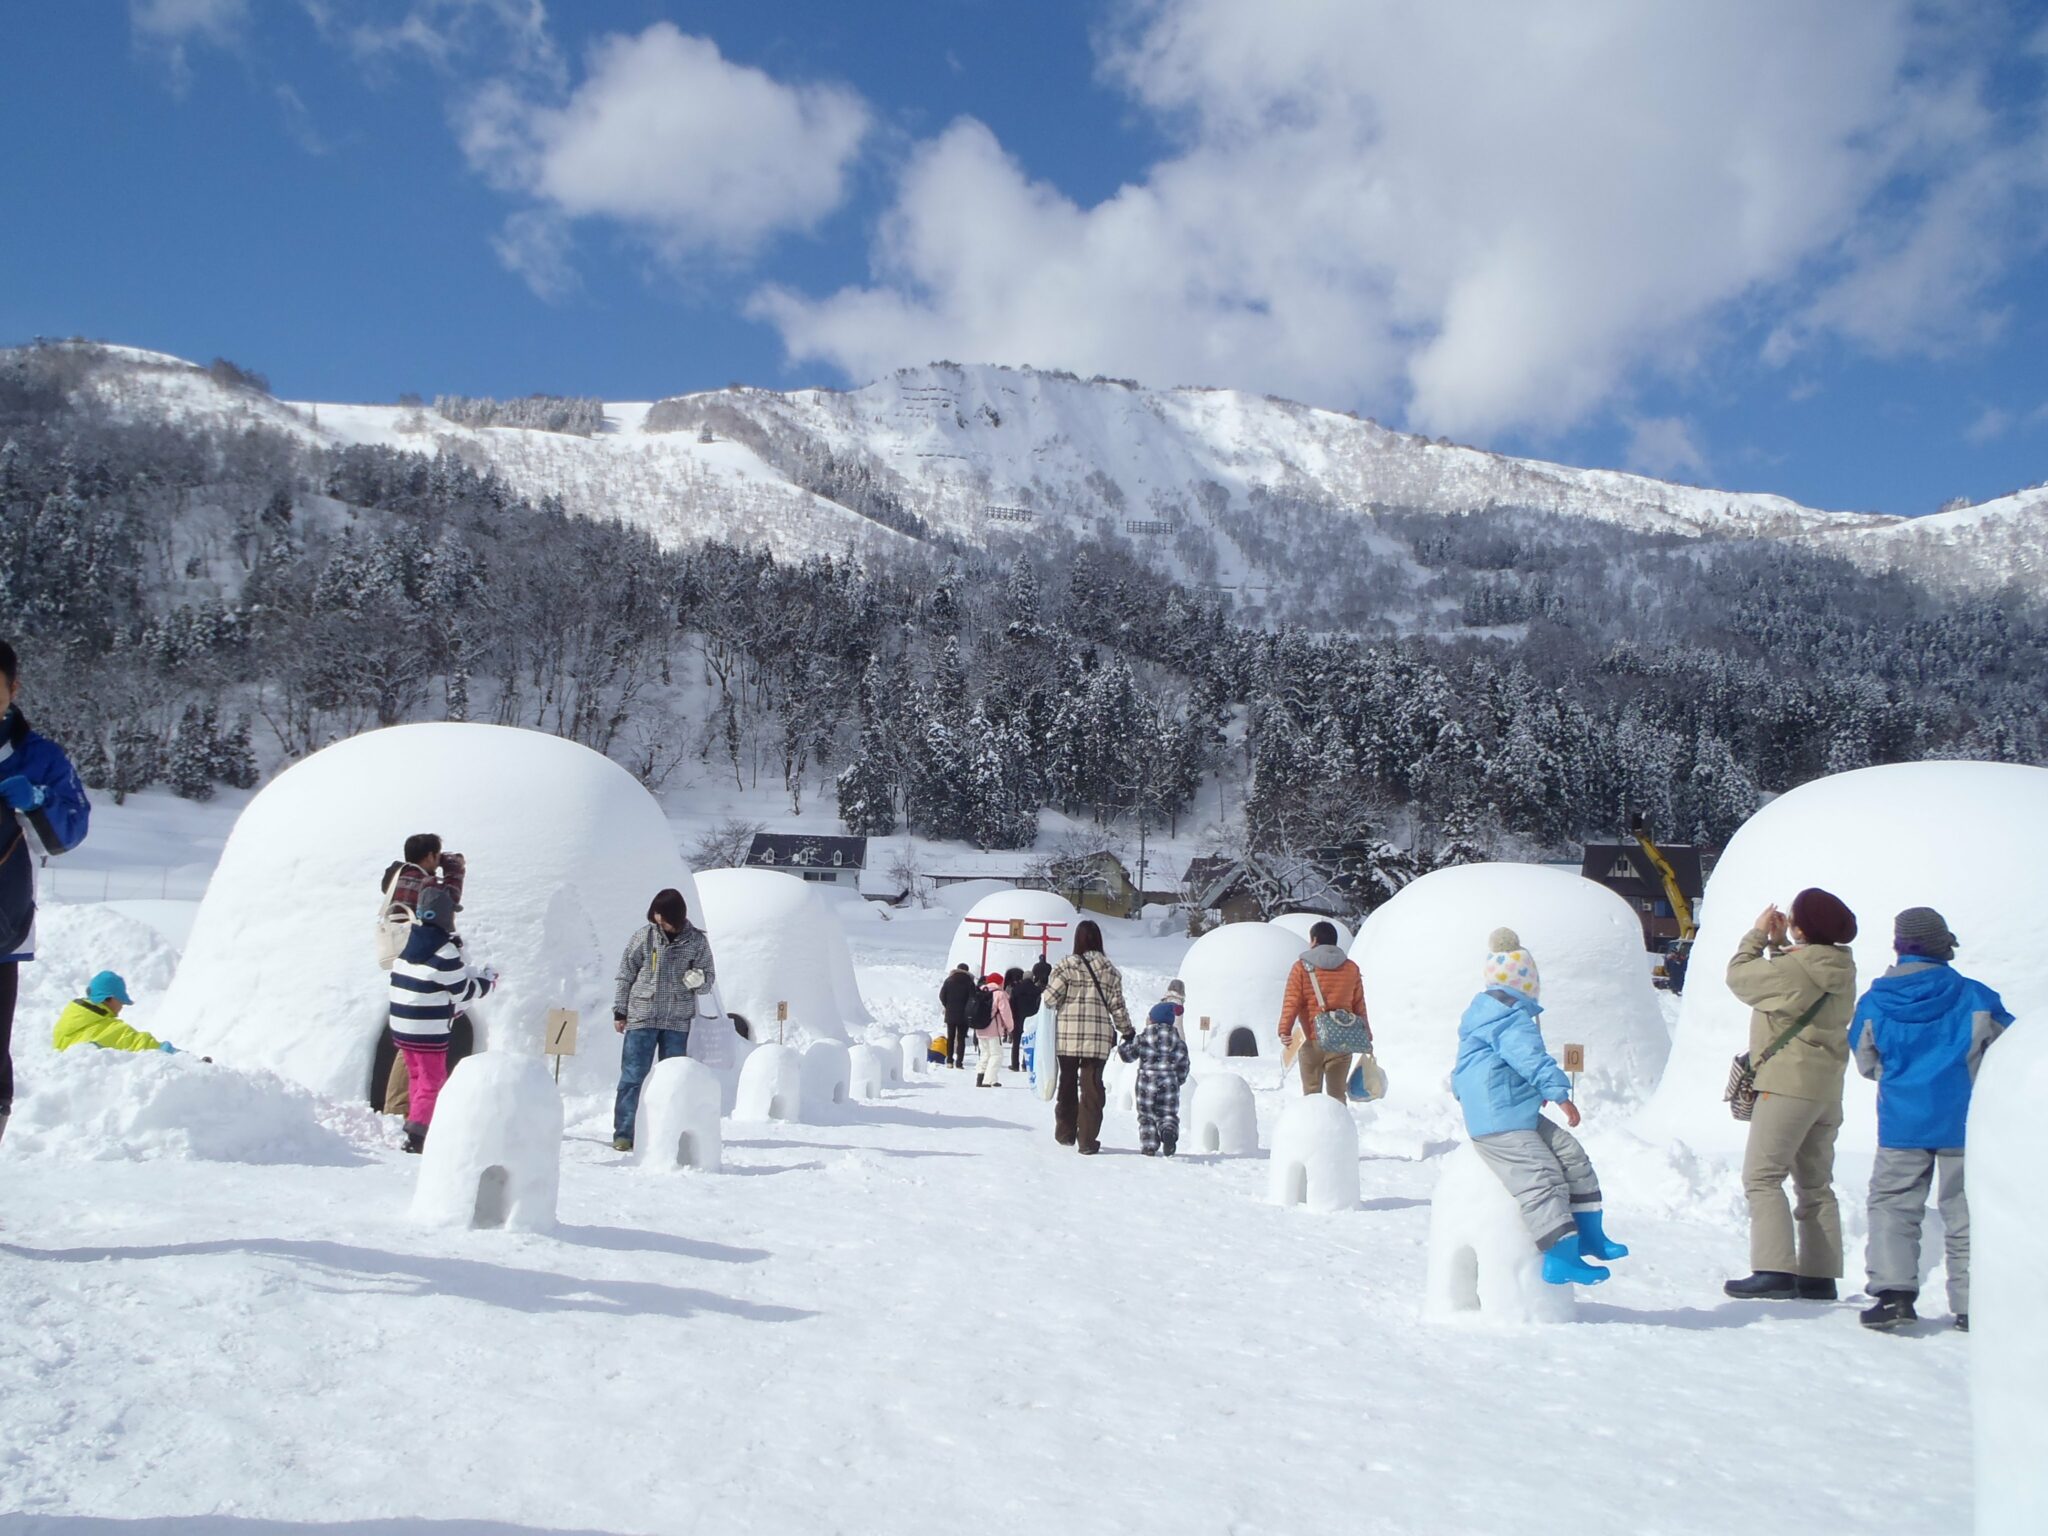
{"points": [[430, 982]]}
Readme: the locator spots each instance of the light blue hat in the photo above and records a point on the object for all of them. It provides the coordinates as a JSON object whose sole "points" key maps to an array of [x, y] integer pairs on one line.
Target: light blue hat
{"points": [[108, 988]]}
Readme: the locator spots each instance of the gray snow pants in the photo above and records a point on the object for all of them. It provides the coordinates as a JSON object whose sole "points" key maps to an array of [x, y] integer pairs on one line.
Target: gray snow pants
{"points": [[1548, 1173], [1899, 1182]]}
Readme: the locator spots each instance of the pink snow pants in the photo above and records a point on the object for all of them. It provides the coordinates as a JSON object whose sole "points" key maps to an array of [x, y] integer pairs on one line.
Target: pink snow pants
{"points": [[426, 1072]]}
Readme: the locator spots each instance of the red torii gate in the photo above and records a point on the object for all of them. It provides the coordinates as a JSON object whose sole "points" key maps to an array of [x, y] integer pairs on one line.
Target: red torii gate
{"points": [[1013, 928]]}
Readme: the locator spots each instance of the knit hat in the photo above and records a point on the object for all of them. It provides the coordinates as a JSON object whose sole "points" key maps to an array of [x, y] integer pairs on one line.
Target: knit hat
{"points": [[107, 987], [1822, 918], [1925, 932], [1502, 940], [992, 979], [1513, 970], [1163, 1013], [437, 907], [1176, 994]]}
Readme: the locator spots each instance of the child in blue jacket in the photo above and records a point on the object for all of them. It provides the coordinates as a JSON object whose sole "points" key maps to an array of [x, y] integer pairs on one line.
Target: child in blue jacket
{"points": [[1920, 1031], [1503, 1078]]}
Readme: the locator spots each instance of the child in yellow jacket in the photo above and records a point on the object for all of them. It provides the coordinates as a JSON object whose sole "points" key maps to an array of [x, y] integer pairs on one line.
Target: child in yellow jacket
{"points": [[95, 1019]]}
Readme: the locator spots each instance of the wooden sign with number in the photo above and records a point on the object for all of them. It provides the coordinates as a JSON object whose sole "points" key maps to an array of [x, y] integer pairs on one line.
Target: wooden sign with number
{"points": [[1205, 1023], [561, 1032], [1016, 927], [782, 1013], [1575, 1058]]}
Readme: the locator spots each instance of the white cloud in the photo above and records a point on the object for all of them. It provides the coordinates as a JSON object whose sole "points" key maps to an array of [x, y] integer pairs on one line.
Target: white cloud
{"points": [[681, 146], [1991, 423], [535, 246], [173, 20], [1663, 446], [171, 24], [1496, 213]]}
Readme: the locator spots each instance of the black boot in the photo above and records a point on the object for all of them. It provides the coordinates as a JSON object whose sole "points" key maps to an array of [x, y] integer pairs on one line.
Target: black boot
{"points": [[1764, 1285], [415, 1136], [1894, 1309], [1814, 1289], [1166, 1146], [1962, 1322]]}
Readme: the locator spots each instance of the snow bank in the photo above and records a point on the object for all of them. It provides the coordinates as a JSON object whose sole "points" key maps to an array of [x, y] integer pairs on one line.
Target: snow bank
{"points": [[678, 1125], [1315, 1156], [1421, 955], [1481, 1257], [2008, 1150], [1224, 1116], [1235, 977], [1299, 923], [775, 941], [1970, 839], [494, 1151], [565, 849], [1000, 953], [73, 944], [88, 1103]]}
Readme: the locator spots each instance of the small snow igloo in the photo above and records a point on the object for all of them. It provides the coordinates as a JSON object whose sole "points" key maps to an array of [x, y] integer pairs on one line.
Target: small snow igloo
{"points": [[1421, 954], [1970, 839], [1013, 927], [1235, 977], [565, 850], [775, 941], [494, 1152]]}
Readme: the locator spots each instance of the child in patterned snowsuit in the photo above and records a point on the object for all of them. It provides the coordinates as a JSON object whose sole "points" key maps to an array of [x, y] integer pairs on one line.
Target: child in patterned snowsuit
{"points": [[1162, 1057]]}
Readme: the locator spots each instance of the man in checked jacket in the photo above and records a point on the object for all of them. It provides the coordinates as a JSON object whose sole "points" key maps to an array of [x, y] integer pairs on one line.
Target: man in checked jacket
{"points": [[1161, 1052]]}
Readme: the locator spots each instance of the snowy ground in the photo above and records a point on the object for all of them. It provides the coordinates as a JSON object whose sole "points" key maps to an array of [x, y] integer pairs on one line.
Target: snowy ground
{"points": [[922, 1318]]}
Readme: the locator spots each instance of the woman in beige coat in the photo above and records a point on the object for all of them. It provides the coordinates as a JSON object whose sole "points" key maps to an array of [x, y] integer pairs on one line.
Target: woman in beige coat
{"points": [[1788, 969]]}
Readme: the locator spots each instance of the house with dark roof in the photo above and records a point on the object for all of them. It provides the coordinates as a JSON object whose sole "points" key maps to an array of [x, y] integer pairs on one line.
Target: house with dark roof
{"points": [[1625, 870], [818, 859]]}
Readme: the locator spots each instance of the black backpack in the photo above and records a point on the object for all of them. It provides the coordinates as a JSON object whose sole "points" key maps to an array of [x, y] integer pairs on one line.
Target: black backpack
{"points": [[1023, 999], [980, 1011]]}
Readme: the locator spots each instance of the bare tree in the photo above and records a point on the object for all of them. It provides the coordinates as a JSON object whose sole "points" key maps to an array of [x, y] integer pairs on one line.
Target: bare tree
{"points": [[726, 845]]}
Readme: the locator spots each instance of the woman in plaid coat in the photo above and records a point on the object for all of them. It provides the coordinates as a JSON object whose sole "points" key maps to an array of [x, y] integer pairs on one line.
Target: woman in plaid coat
{"points": [[1087, 993]]}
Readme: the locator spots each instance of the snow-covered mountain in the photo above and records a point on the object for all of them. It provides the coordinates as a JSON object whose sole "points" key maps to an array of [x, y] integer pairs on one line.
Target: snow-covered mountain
{"points": [[1217, 487]]}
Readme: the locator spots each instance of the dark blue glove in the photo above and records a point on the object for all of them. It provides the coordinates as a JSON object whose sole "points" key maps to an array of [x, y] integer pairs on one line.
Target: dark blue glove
{"points": [[20, 794]]}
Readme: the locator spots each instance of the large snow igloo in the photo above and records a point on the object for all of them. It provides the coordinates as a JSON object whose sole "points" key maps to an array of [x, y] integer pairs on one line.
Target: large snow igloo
{"points": [[1970, 839], [565, 850], [1235, 977], [1421, 954], [773, 941], [983, 937]]}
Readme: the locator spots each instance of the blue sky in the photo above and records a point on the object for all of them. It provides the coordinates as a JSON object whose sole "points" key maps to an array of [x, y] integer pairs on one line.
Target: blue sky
{"points": [[1795, 249]]}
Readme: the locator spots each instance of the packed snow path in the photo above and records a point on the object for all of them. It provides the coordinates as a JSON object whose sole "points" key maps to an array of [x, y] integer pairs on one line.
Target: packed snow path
{"points": [[927, 1318]]}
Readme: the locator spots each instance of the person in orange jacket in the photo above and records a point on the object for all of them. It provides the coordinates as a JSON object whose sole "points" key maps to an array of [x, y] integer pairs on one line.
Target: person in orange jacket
{"points": [[1323, 978]]}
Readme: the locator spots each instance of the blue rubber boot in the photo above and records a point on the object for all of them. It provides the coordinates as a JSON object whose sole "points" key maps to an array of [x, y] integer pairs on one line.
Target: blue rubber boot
{"points": [[1563, 1265], [1593, 1242]]}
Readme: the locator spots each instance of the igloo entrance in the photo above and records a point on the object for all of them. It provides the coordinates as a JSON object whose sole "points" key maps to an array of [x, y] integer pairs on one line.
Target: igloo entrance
{"points": [[1241, 1042]]}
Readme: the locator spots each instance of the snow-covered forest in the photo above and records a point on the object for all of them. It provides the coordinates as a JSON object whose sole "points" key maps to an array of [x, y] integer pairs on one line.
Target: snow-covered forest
{"points": [[206, 597]]}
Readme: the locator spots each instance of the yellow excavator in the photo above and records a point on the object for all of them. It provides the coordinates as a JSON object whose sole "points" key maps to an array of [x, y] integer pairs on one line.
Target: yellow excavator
{"points": [[1680, 953]]}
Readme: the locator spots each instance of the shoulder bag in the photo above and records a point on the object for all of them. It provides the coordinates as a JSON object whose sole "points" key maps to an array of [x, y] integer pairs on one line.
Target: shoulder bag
{"points": [[1339, 1031], [1741, 1090]]}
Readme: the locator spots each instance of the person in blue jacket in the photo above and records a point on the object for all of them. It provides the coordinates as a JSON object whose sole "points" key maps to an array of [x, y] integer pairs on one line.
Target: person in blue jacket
{"points": [[1921, 1031], [40, 799], [1503, 1078]]}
